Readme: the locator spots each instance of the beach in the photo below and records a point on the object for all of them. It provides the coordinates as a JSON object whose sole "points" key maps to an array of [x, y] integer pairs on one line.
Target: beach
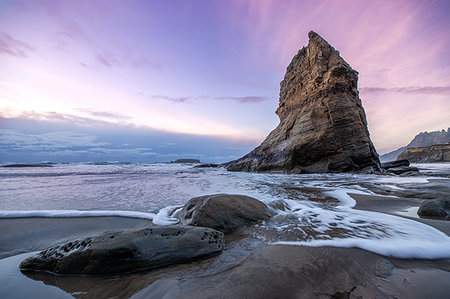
{"points": [[247, 268], [308, 249]]}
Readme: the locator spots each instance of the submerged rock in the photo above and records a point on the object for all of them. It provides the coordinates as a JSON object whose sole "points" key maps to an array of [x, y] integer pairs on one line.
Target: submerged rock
{"points": [[397, 163], [207, 165], [403, 169], [128, 251], [323, 126], [224, 212], [438, 208]]}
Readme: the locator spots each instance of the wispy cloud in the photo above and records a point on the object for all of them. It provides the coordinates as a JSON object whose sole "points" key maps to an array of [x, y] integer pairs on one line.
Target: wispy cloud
{"points": [[104, 114], [241, 100], [14, 47], [16, 140], [434, 90]]}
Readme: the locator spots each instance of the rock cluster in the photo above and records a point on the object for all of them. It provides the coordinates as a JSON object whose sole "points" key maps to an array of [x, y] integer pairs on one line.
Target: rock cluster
{"points": [[323, 126], [128, 251], [136, 250]]}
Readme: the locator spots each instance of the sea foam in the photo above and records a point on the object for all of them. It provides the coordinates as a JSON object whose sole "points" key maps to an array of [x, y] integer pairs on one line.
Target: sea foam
{"points": [[75, 213]]}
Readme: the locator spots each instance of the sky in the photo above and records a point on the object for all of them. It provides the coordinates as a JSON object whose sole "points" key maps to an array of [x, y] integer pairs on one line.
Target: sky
{"points": [[162, 80]]}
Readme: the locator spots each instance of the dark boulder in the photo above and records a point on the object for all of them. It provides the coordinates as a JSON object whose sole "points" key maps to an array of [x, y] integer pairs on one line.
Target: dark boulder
{"points": [[128, 251], [397, 163], [224, 212], [438, 208]]}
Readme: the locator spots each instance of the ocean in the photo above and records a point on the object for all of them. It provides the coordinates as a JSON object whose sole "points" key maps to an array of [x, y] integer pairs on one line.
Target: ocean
{"points": [[311, 209]]}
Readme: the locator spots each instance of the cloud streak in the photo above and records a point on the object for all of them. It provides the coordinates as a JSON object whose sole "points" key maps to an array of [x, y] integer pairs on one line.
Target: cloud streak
{"points": [[14, 47], [430, 90], [241, 100]]}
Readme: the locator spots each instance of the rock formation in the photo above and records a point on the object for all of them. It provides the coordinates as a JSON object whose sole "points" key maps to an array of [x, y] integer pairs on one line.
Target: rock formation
{"points": [[420, 140], [128, 251], [224, 212], [323, 126], [427, 154]]}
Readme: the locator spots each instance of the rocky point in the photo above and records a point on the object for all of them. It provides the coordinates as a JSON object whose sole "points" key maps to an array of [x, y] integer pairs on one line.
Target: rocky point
{"points": [[323, 126]]}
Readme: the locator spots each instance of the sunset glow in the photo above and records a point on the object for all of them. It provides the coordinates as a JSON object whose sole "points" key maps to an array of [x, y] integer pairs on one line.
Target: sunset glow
{"points": [[212, 68]]}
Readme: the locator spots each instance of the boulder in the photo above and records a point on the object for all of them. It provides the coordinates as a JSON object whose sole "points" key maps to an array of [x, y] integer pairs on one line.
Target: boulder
{"points": [[439, 208], [224, 212], [323, 126], [397, 163], [128, 251]]}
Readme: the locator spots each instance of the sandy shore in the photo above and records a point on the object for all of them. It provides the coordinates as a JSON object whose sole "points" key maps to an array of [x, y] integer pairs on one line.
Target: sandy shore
{"points": [[246, 269]]}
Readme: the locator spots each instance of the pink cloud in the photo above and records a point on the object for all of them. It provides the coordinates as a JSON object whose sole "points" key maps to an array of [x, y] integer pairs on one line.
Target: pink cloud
{"points": [[431, 90]]}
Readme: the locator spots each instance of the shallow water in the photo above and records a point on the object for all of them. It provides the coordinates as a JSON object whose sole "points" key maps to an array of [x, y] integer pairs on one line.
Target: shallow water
{"points": [[312, 209]]}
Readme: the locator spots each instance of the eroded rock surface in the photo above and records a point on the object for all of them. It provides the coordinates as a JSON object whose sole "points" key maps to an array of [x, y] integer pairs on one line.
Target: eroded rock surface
{"points": [[224, 212], [128, 251], [323, 126]]}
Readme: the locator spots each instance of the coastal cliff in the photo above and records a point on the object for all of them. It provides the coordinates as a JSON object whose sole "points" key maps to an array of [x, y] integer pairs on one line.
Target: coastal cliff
{"points": [[427, 154], [323, 126], [420, 140]]}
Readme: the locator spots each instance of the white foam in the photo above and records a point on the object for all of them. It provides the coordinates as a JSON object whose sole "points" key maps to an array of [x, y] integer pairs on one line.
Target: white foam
{"points": [[399, 248], [395, 236], [343, 197], [75, 213], [164, 216]]}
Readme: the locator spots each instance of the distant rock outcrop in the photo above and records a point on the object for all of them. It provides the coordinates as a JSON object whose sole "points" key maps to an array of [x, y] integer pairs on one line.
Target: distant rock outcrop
{"points": [[427, 154], [420, 140], [186, 161], [323, 126]]}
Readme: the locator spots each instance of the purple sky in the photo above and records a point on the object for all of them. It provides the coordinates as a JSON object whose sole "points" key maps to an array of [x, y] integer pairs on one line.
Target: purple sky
{"points": [[210, 68]]}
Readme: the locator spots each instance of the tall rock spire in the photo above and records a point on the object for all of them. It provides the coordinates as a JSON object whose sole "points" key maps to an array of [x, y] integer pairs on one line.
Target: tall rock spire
{"points": [[323, 127]]}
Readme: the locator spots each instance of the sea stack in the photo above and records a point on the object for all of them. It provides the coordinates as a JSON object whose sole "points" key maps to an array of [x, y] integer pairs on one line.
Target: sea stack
{"points": [[323, 126]]}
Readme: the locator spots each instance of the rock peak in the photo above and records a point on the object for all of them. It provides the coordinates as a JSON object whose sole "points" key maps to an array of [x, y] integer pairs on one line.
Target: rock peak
{"points": [[323, 126]]}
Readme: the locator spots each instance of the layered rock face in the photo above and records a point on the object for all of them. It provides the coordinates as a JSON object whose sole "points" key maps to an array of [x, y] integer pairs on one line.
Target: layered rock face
{"points": [[323, 126], [427, 154]]}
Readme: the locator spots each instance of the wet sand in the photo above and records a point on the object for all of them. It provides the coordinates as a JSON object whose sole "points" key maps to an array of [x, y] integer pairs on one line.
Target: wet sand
{"points": [[393, 205], [247, 268]]}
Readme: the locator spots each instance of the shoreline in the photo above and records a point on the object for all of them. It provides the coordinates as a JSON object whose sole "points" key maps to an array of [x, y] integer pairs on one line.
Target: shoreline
{"points": [[246, 268]]}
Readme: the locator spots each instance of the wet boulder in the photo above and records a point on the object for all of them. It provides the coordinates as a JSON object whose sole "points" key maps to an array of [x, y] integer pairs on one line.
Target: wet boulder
{"points": [[438, 208], [128, 251], [224, 212]]}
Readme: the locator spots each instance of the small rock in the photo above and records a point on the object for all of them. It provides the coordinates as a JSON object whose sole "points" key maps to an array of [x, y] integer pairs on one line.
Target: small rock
{"points": [[397, 163], [403, 169], [439, 208], [224, 212], [207, 165], [128, 251], [383, 268]]}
